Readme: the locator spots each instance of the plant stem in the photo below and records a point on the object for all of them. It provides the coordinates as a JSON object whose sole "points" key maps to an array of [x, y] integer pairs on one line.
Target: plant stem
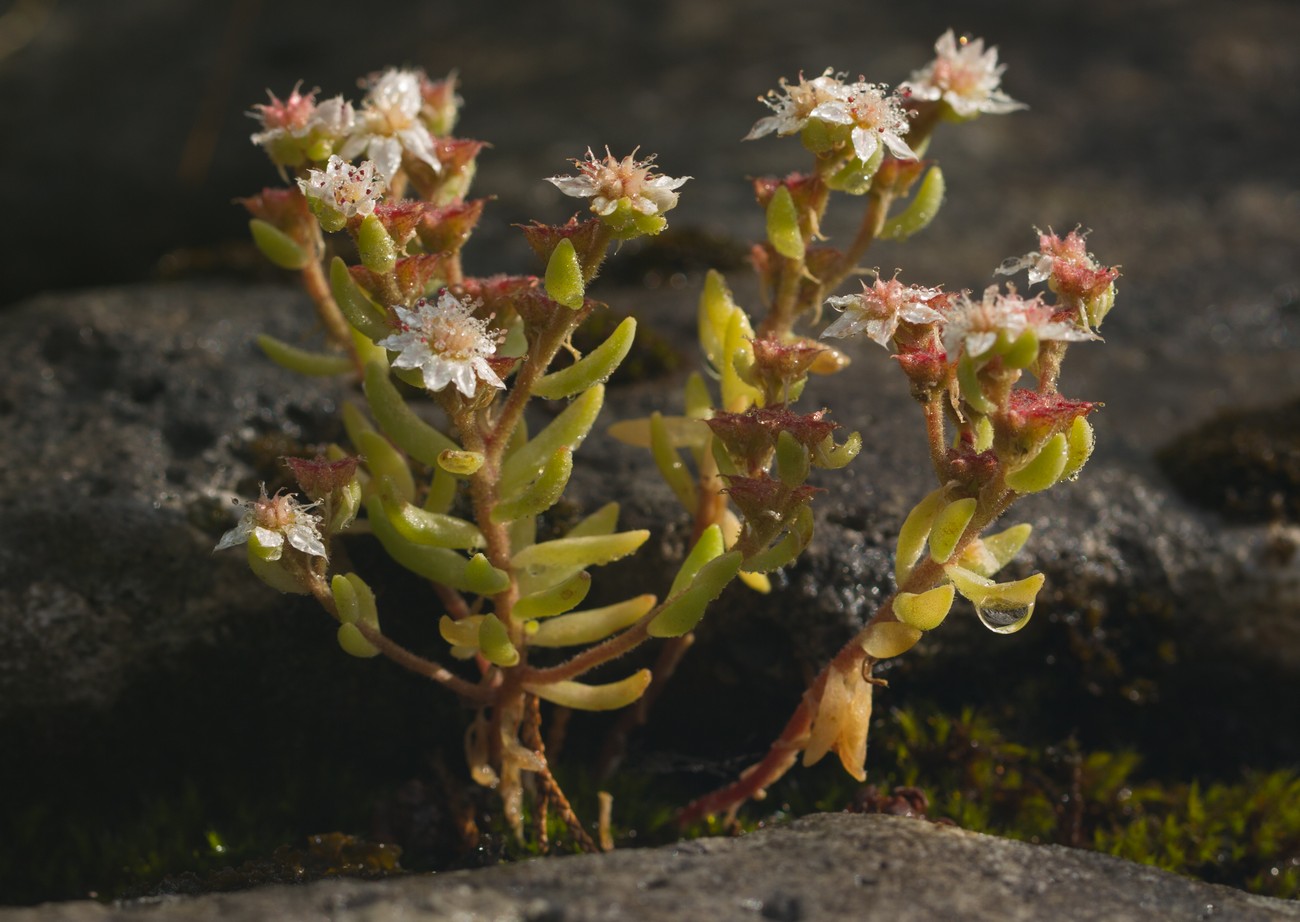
{"points": [[336, 325], [783, 753]]}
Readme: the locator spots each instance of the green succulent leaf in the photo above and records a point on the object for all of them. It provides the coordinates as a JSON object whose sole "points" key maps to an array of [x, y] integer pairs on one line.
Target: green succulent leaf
{"points": [[386, 463], [593, 368], [315, 364], [277, 246], [363, 313], [1043, 469], [376, 248], [783, 225], [920, 211], [948, 527], [400, 423], [681, 613], [556, 600], [568, 430], [583, 697], [590, 626], [541, 494], [564, 281]]}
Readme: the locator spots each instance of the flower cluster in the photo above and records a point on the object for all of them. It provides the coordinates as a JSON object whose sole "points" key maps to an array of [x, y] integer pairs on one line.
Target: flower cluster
{"points": [[859, 112], [975, 326], [342, 191], [394, 120]]}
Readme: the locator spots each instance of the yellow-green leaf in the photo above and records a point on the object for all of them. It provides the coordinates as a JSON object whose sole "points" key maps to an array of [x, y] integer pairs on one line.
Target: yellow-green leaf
{"points": [[277, 246], [583, 697], [400, 423], [302, 361], [592, 625], [593, 368], [920, 211]]}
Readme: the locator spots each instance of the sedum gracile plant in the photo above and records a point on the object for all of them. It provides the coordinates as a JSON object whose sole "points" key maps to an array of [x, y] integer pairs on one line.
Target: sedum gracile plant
{"points": [[458, 501]]}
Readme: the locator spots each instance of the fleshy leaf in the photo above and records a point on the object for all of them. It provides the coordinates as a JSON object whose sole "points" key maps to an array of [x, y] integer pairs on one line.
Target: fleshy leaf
{"points": [[386, 463], [376, 248], [583, 697], [1044, 469], [435, 529], [920, 211], [889, 638], [670, 463], [948, 527], [593, 368], [591, 626], [436, 563], [541, 494], [568, 430], [1079, 441], [277, 246], [315, 364], [679, 615], [783, 225], [556, 600], [483, 578], [400, 423], [924, 611], [709, 546], [494, 641], [361, 312], [564, 282], [915, 532], [354, 643]]}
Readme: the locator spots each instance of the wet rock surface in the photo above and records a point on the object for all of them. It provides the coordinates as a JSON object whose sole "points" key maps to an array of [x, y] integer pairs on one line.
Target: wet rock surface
{"points": [[821, 867], [133, 661]]}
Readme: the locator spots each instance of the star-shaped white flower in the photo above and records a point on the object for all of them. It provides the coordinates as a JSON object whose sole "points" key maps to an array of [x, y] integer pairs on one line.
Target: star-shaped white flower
{"points": [[964, 76], [446, 342], [349, 190], [608, 180], [974, 326], [792, 110], [391, 124], [273, 521], [876, 118], [880, 307]]}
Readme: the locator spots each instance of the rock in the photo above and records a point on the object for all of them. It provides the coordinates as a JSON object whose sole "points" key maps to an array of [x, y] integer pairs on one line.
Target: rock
{"points": [[828, 866]]}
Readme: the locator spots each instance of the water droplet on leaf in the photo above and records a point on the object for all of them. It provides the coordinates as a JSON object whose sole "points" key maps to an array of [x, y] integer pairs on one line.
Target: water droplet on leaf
{"points": [[1004, 618]]}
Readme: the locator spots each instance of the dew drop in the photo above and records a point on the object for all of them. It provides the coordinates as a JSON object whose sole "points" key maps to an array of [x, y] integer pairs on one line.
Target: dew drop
{"points": [[1002, 618]]}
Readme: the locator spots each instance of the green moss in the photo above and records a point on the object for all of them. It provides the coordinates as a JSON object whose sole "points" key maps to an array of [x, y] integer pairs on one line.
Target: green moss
{"points": [[1243, 832]]}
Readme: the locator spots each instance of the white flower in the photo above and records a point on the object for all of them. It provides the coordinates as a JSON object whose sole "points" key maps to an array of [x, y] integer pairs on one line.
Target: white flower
{"points": [[446, 342], [272, 520], [879, 309], [975, 325], [299, 116], [793, 110], [964, 76], [607, 181], [875, 118], [390, 124], [347, 189]]}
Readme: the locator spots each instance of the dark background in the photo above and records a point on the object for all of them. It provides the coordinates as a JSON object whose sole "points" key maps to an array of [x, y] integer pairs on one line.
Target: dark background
{"points": [[125, 139]]}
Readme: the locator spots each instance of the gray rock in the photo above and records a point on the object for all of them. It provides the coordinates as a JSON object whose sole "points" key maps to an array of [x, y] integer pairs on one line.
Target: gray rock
{"points": [[824, 867]]}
